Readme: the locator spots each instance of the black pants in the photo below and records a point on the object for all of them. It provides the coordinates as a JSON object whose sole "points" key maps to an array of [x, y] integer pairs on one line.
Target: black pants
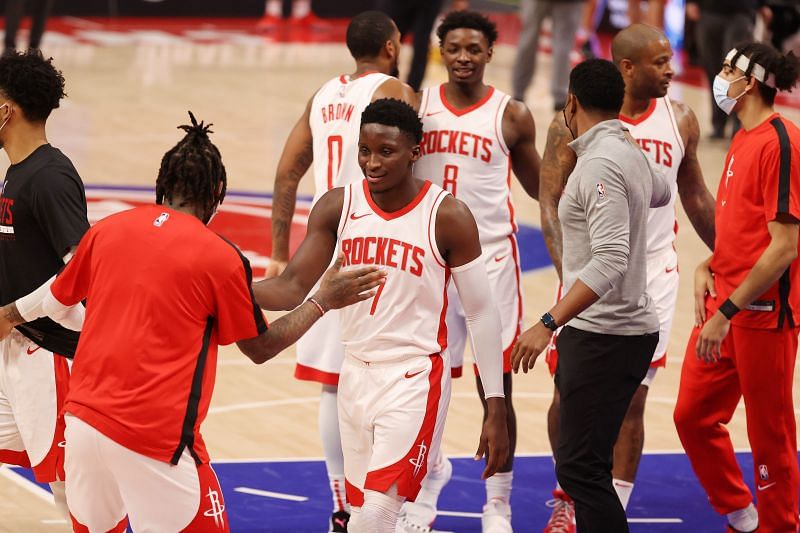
{"points": [[417, 17], [596, 377], [15, 10]]}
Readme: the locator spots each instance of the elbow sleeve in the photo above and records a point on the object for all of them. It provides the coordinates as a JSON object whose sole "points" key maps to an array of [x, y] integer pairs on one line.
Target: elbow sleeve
{"points": [[483, 323]]}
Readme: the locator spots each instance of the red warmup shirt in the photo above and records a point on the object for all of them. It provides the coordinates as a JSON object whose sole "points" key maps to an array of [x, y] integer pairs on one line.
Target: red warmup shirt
{"points": [[162, 291], [760, 180]]}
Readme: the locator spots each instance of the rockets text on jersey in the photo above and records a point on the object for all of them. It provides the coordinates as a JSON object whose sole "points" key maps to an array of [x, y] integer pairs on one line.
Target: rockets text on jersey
{"points": [[464, 152], [657, 133], [406, 317]]}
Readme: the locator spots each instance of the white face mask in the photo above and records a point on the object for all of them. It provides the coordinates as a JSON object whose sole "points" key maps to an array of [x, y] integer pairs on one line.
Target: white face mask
{"points": [[720, 89]]}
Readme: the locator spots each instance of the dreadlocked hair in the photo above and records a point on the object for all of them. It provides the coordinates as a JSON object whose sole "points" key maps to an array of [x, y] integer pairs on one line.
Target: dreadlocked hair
{"points": [[192, 170]]}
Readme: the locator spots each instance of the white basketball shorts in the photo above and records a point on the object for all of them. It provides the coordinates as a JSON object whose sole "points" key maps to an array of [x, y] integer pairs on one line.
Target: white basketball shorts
{"points": [[33, 386], [109, 485], [503, 267], [391, 417]]}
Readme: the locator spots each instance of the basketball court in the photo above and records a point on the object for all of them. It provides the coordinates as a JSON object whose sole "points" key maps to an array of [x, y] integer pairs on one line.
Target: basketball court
{"points": [[130, 84]]}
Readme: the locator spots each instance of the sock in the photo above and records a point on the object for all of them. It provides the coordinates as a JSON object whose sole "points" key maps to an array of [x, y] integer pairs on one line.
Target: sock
{"points": [[60, 498], [624, 490], [744, 519], [274, 8], [498, 487], [301, 8], [379, 513], [332, 446]]}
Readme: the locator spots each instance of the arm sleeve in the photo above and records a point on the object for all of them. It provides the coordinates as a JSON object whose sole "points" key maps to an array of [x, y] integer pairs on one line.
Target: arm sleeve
{"points": [[483, 322], [780, 178], [59, 204], [72, 283], [238, 315], [41, 302], [604, 196]]}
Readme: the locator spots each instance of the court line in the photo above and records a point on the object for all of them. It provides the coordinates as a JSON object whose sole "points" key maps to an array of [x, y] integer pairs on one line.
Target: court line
{"points": [[270, 494], [258, 405], [22, 482], [461, 514]]}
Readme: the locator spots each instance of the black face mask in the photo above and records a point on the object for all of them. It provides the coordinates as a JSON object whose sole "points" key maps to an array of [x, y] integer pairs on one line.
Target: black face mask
{"points": [[566, 122]]}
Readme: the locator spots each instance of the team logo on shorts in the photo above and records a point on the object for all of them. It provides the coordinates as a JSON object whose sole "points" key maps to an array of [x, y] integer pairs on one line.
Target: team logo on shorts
{"points": [[217, 508], [601, 191], [763, 473], [419, 460]]}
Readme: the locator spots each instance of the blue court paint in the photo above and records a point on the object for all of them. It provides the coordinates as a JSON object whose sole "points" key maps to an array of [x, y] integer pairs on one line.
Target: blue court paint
{"points": [[666, 488]]}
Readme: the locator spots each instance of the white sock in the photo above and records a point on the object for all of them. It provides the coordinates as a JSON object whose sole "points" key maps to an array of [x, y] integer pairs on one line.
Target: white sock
{"points": [[60, 498], [332, 445], [624, 490], [378, 514], [744, 519], [301, 8], [274, 8], [498, 487]]}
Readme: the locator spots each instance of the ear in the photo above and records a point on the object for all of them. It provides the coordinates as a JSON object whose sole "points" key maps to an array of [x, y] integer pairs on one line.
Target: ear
{"points": [[751, 83], [390, 49], [416, 153], [626, 67], [489, 54]]}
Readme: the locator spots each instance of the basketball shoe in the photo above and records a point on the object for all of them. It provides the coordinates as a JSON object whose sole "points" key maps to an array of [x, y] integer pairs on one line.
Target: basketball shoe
{"points": [[562, 520], [339, 521], [496, 517]]}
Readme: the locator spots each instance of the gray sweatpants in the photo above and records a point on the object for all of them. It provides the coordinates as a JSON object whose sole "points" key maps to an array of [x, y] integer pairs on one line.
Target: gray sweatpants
{"points": [[565, 18]]}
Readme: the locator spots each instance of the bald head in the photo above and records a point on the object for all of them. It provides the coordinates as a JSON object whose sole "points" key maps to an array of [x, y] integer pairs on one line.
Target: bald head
{"points": [[631, 42]]}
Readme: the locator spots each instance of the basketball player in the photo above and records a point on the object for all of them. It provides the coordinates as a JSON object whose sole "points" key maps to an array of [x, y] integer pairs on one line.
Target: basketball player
{"points": [[163, 291], [42, 218], [668, 133], [327, 136], [474, 135], [747, 300], [395, 385]]}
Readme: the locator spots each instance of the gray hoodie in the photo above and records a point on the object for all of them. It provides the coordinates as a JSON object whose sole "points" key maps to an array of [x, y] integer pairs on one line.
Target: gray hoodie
{"points": [[603, 215]]}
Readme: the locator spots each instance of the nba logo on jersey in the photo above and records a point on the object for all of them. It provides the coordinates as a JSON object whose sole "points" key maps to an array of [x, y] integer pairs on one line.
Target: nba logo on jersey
{"points": [[601, 191], [158, 222], [763, 473]]}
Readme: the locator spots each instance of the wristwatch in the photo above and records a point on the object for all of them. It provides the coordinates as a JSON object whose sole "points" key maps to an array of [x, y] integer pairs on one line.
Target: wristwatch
{"points": [[549, 322]]}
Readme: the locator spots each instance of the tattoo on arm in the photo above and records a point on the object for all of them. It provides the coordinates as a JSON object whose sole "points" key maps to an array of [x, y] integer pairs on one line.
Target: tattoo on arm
{"points": [[11, 314], [557, 163], [284, 199], [281, 334]]}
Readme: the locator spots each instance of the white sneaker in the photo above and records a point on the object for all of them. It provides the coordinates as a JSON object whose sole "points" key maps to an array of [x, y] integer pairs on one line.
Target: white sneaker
{"points": [[496, 517], [418, 516], [406, 525]]}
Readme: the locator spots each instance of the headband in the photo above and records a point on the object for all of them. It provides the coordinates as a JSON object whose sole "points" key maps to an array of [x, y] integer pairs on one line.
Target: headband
{"points": [[743, 63]]}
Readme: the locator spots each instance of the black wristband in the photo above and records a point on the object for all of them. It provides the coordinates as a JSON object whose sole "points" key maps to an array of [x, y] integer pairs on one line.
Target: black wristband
{"points": [[728, 309]]}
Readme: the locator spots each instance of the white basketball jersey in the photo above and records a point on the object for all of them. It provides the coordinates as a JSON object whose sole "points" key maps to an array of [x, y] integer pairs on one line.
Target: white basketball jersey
{"points": [[657, 133], [463, 151], [407, 315], [335, 120]]}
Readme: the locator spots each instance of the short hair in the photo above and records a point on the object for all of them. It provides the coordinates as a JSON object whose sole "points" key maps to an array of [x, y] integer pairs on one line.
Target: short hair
{"points": [[631, 42], [393, 112], [598, 85], [32, 82], [467, 19], [784, 68], [192, 169], [368, 32]]}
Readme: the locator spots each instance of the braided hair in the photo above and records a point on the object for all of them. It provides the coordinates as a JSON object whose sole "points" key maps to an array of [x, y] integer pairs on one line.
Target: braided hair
{"points": [[192, 170]]}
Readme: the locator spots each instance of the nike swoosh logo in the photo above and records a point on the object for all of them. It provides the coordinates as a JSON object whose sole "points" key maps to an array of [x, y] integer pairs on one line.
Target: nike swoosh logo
{"points": [[434, 113], [668, 270], [356, 217], [500, 258], [411, 375], [765, 487], [31, 351]]}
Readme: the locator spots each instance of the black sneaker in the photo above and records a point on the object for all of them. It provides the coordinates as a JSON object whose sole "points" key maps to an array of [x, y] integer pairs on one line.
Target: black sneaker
{"points": [[339, 521]]}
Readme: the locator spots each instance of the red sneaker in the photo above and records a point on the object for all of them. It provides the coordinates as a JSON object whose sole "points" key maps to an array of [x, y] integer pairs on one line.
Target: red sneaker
{"points": [[562, 520]]}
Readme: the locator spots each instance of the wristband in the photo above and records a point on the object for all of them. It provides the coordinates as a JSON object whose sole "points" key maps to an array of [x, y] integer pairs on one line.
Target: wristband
{"points": [[728, 309], [317, 304]]}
